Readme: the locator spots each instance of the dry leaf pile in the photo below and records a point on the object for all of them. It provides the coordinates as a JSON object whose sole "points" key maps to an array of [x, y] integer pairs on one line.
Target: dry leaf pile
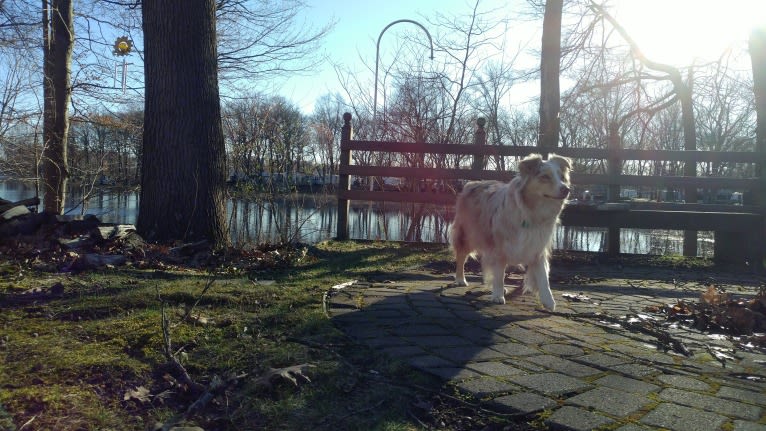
{"points": [[720, 312]]}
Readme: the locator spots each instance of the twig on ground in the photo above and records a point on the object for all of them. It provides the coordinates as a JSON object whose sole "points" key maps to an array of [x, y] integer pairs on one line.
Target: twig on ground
{"points": [[206, 394], [216, 386], [173, 362], [29, 422], [417, 419], [187, 315]]}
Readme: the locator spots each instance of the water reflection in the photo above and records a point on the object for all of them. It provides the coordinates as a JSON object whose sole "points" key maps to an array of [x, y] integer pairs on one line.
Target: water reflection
{"points": [[110, 206], [301, 218], [310, 218]]}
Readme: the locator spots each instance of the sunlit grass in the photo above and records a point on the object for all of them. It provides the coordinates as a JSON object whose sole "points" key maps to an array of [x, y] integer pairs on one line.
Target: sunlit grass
{"points": [[68, 362]]}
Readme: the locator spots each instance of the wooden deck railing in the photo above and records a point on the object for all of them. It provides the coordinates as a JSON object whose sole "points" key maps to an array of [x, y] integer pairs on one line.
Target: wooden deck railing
{"points": [[739, 229]]}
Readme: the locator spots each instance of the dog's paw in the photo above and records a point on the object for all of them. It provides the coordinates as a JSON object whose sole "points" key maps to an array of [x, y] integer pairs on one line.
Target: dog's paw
{"points": [[550, 306], [461, 283], [498, 299]]}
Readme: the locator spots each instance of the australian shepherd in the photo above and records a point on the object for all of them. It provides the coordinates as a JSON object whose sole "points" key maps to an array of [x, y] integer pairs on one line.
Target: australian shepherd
{"points": [[512, 224]]}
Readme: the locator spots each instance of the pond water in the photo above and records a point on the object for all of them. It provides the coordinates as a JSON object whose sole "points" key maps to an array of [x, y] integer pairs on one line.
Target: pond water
{"points": [[311, 218]]}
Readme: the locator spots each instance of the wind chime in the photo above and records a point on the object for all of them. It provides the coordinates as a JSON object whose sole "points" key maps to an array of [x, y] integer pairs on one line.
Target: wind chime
{"points": [[122, 47]]}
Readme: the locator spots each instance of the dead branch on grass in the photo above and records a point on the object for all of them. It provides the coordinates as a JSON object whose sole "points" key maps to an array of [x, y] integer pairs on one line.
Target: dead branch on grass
{"points": [[218, 385]]}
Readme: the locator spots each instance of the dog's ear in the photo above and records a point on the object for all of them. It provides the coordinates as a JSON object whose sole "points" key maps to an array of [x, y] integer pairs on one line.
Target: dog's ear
{"points": [[565, 163], [530, 166]]}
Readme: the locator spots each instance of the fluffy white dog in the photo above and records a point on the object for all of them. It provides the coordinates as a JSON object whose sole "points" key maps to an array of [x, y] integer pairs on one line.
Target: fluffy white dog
{"points": [[512, 223]]}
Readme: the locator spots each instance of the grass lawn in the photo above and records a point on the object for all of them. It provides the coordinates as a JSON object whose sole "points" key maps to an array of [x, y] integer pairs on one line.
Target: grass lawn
{"points": [[93, 357]]}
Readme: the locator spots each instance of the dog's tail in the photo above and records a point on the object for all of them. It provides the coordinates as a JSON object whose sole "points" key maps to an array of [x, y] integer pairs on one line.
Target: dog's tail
{"points": [[458, 241]]}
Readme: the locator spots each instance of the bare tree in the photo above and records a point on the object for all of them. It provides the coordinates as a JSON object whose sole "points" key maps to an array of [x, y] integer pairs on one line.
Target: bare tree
{"points": [[18, 23], [15, 82], [326, 124], [244, 125], [20, 59], [466, 41], [724, 114], [265, 39], [58, 41], [494, 85], [682, 92]]}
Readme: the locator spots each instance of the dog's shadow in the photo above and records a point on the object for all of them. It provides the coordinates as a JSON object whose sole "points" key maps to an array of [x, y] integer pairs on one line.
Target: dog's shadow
{"points": [[435, 326]]}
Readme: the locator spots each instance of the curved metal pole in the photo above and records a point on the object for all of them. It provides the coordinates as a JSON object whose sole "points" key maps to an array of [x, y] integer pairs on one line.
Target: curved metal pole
{"points": [[377, 56]]}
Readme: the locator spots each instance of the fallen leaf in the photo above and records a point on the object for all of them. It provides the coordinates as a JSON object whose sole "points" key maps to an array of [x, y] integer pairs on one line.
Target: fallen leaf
{"points": [[713, 297], [294, 373], [576, 297], [654, 308], [140, 394], [741, 320], [343, 285]]}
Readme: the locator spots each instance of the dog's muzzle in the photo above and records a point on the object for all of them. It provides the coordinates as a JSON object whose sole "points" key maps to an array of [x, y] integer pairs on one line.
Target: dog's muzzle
{"points": [[563, 193]]}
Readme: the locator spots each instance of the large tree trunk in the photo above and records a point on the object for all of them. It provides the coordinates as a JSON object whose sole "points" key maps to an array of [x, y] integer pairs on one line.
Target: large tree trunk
{"points": [[58, 41], [182, 175], [550, 65]]}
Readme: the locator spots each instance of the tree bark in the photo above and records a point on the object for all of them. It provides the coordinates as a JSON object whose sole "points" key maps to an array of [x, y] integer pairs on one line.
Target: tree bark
{"points": [[58, 42], [182, 175], [550, 65]]}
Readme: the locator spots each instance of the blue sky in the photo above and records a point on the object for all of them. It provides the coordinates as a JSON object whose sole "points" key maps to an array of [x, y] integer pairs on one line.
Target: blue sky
{"points": [[674, 31], [358, 25]]}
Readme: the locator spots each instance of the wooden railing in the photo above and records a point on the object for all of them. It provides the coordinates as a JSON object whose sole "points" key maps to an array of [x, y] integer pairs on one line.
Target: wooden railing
{"points": [[739, 229]]}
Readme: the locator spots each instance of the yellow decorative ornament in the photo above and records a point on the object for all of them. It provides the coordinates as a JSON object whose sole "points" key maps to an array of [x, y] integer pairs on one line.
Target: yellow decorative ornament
{"points": [[123, 46]]}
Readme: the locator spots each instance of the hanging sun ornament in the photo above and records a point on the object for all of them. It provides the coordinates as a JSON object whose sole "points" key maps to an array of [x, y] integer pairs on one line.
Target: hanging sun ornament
{"points": [[122, 46]]}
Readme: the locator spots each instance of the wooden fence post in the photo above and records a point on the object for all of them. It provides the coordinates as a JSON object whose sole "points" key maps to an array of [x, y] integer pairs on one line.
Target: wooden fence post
{"points": [[343, 178], [690, 194], [614, 169], [479, 138]]}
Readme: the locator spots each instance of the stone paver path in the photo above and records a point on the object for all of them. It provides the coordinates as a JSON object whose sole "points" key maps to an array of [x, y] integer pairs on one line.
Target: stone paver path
{"points": [[585, 366]]}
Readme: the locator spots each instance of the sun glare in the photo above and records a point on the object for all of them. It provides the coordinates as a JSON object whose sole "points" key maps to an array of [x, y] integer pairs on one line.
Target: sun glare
{"points": [[679, 32]]}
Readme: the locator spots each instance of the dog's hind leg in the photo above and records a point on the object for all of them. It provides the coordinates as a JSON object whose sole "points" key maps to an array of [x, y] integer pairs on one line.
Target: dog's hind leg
{"points": [[460, 257], [536, 279], [459, 244]]}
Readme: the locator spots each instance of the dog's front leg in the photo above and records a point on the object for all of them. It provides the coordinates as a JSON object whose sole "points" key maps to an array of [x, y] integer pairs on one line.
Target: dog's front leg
{"points": [[498, 281], [537, 276]]}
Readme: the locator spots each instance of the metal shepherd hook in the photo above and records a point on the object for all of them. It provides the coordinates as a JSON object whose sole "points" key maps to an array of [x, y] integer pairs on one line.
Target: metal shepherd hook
{"points": [[377, 56]]}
